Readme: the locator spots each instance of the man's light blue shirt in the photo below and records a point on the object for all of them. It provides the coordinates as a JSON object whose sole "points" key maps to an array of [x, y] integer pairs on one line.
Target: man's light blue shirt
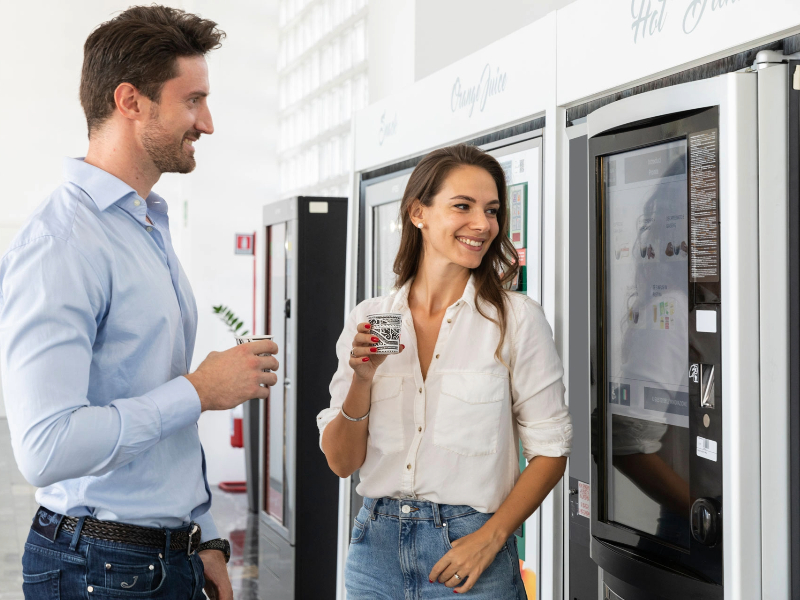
{"points": [[97, 329]]}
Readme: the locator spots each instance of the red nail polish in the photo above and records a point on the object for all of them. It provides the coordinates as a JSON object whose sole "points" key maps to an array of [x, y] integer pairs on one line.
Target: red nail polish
{"points": [[365, 359], [374, 339], [367, 326], [430, 580], [373, 349]]}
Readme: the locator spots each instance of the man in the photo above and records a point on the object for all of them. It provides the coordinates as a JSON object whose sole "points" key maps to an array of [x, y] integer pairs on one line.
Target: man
{"points": [[97, 329]]}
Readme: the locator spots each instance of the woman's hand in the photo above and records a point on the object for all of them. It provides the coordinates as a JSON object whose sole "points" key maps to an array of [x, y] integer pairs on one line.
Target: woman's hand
{"points": [[470, 557], [363, 359]]}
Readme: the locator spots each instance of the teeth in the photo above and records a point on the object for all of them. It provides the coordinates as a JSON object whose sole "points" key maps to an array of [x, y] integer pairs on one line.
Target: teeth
{"points": [[470, 242]]}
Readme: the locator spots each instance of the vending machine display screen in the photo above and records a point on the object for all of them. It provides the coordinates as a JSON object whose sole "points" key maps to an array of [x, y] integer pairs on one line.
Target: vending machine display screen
{"points": [[645, 224]]}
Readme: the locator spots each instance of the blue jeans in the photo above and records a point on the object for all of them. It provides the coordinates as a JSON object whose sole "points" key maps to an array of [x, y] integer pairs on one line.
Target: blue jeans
{"points": [[73, 569], [392, 552]]}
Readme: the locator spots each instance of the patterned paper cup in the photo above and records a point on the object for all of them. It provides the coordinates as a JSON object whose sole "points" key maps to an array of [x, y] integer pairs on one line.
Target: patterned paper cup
{"points": [[386, 327], [246, 339]]}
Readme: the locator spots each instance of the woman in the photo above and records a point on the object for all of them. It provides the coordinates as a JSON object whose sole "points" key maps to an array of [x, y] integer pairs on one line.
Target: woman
{"points": [[438, 453]]}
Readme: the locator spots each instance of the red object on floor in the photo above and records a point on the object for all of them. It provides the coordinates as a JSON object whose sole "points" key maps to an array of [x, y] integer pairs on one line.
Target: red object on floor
{"points": [[233, 487]]}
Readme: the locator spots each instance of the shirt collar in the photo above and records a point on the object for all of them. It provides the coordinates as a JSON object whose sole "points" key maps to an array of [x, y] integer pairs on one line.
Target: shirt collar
{"points": [[104, 188], [400, 302]]}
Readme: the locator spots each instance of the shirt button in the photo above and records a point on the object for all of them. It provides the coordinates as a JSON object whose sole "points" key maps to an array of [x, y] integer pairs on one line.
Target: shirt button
{"points": [[419, 428], [420, 390], [406, 509], [408, 466], [149, 229], [449, 320], [137, 202], [437, 356]]}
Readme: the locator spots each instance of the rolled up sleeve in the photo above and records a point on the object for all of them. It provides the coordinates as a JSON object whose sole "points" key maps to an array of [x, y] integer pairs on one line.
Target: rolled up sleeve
{"points": [[543, 421], [340, 384]]}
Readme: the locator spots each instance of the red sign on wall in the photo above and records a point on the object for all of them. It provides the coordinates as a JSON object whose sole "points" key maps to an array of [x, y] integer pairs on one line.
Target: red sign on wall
{"points": [[245, 243]]}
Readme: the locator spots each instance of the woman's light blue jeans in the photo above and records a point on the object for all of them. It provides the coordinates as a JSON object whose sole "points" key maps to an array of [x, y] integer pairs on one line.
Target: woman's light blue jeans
{"points": [[396, 543]]}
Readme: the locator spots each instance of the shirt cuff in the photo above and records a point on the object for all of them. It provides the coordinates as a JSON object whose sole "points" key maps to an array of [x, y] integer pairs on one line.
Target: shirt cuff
{"points": [[178, 405], [323, 418], [208, 529]]}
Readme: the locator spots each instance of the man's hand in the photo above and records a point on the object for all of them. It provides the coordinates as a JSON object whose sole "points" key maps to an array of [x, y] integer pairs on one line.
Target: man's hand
{"points": [[218, 584], [227, 379]]}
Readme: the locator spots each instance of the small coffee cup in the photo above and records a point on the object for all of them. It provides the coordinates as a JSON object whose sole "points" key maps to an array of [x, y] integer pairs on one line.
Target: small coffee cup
{"points": [[386, 327], [246, 339]]}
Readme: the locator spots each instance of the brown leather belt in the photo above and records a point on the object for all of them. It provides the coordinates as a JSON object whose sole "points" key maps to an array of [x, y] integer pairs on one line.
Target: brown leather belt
{"points": [[110, 531]]}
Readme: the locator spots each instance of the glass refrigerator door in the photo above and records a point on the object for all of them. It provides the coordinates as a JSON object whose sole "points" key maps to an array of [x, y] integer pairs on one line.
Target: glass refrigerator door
{"points": [[274, 476], [386, 235], [522, 163], [382, 227]]}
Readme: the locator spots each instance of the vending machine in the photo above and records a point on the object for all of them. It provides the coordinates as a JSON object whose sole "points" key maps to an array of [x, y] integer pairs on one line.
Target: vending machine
{"points": [[689, 279], [304, 312]]}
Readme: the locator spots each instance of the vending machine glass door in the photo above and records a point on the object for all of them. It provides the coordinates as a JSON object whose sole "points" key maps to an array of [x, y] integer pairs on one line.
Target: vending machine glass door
{"points": [[381, 198], [657, 428], [386, 235], [275, 426], [647, 345]]}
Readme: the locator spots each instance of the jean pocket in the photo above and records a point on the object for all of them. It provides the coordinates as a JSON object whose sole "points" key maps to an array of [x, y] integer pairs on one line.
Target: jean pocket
{"points": [[42, 586], [456, 528], [468, 413], [357, 535], [112, 573], [385, 418]]}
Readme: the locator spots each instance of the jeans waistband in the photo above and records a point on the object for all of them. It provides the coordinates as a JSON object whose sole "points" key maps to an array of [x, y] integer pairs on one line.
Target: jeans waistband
{"points": [[421, 510]]}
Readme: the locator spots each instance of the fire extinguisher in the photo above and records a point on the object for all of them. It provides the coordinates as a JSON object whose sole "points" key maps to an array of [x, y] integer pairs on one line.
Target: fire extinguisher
{"points": [[237, 436]]}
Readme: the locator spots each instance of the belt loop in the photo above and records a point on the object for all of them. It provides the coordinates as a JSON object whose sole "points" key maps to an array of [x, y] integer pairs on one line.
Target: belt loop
{"points": [[166, 546], [370, 504], [77, 535], [437, 518]]}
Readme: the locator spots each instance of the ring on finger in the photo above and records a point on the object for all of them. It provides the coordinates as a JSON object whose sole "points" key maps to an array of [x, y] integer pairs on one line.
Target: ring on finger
{"points": [[353, 352], [457, 576]]}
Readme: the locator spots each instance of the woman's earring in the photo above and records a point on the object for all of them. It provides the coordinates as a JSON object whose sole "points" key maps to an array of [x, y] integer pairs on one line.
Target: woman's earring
{"points": [[419, 225]]}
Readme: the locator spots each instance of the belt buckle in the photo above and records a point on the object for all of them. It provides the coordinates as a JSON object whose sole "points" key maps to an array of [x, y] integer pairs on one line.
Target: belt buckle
{"points": [[189, 550]]}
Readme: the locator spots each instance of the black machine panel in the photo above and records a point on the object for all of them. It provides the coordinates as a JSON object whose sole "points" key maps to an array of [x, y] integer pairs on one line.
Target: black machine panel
{"points": [[306, 570], [656, 355]]}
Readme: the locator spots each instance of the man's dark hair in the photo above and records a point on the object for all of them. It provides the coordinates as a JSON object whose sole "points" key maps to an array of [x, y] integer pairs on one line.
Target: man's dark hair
{"points": [[139, 46]]}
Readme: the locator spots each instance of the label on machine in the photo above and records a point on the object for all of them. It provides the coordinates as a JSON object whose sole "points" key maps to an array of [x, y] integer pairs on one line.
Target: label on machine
{"points": [[704, 206]]}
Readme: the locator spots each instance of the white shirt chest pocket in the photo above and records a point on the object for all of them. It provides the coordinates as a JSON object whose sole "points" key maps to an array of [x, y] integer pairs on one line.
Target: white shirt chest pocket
{"points": [[386, 416], [468, 413]]}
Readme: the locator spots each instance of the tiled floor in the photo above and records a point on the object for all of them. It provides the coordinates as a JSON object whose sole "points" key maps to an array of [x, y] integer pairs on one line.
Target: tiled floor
{"points": [[17, 506]]}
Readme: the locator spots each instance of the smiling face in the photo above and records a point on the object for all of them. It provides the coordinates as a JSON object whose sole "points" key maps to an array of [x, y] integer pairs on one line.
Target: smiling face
{"points": [[461, 222], [179, 118]]}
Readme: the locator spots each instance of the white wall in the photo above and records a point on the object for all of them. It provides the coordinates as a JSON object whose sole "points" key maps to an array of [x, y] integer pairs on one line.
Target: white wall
{"points": [[391, 38], [41, 121], [448, 30]]}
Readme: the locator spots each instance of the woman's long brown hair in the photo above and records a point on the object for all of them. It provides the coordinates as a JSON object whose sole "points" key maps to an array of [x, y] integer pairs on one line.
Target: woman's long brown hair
{"points": [[499, 265]]}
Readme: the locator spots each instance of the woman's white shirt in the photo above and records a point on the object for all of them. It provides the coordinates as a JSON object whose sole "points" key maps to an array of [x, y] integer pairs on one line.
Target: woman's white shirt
{"points": [[453, 438]]}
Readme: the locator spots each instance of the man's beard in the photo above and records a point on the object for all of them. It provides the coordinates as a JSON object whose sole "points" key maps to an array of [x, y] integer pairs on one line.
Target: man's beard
{"points": [[167, 155]]}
